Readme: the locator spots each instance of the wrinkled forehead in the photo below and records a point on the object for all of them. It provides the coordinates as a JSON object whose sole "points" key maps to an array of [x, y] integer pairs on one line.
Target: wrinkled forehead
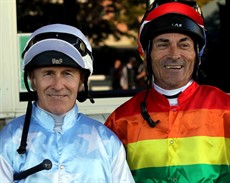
{"points": [[173, 36]]}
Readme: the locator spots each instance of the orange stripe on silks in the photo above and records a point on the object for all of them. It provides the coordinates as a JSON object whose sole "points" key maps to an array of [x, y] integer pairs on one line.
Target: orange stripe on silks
{"points": [[214, 123]]}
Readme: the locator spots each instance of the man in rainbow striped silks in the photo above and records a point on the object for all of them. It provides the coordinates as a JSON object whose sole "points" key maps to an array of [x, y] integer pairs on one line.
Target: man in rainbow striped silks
{"points": [[176, 130]]}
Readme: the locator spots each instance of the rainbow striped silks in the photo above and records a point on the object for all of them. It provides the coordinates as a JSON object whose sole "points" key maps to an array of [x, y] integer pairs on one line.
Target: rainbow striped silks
{"points": [[190, 144]]}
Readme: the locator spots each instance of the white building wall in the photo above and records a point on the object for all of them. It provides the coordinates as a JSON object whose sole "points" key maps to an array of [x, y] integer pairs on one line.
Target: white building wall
{"points": [[8, 59]]}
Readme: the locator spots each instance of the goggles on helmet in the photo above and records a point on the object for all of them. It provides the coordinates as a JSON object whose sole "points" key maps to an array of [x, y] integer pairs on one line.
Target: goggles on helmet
{"points": [[72, 39], [191, 3]]}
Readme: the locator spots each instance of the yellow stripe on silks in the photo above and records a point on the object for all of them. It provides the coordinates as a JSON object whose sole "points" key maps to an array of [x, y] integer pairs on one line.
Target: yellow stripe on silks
{"points": [[180, 151]]}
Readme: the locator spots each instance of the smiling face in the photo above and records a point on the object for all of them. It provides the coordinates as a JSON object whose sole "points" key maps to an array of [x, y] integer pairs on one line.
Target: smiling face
{"points": [[56, 87], [173, 58]]}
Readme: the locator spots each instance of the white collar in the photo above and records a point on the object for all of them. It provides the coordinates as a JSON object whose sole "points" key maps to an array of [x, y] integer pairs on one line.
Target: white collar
{"points": [[172, 101], [172, 92]]}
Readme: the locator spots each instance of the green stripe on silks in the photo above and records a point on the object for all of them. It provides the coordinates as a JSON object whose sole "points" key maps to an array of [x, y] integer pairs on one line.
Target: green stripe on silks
{"points": [[184, 174]]}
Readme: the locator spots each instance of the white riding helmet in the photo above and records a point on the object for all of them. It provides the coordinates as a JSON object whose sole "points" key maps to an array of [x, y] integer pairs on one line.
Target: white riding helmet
{"points": [[58, 45]]}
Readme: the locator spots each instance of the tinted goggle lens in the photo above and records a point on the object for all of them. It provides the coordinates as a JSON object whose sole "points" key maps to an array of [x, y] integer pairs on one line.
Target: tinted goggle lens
{"points": [[74, 40]]}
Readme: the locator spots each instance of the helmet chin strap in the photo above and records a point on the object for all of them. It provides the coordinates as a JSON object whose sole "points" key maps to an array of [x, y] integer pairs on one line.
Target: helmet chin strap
{"points": [[23, 144], [149, 65], [195, 73], [82, 96], [149, 84]]}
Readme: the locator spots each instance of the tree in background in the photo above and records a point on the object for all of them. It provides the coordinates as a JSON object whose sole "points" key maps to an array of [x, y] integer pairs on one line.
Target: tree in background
{"points": [[97, 19]]}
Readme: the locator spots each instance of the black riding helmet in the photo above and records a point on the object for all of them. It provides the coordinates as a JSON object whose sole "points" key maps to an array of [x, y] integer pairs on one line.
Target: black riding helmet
{"points": [[166, 16], [172, 16]]}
